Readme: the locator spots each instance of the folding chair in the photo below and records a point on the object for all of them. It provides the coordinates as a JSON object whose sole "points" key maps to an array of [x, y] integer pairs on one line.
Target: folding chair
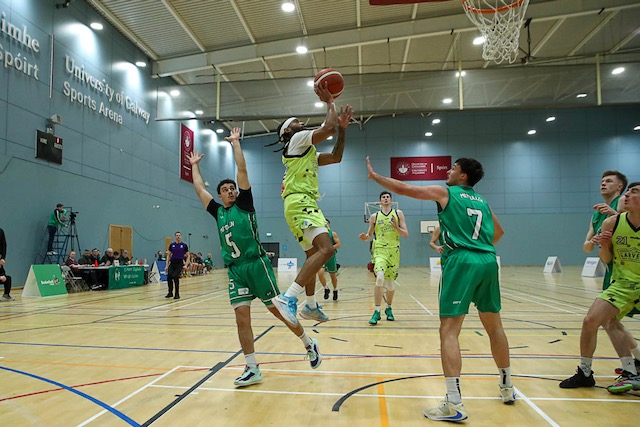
{"points": [[73, 283]]}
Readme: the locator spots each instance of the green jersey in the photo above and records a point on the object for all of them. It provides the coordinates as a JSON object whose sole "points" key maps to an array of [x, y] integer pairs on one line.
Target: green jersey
{"points": [[386, 236], [238, 229], [626, 252], [466, 222], [300, 161], [598, 217], [57, 217]]}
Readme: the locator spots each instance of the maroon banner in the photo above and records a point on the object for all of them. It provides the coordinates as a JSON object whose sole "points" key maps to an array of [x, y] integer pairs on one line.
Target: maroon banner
{"points": [[186, 148], [420, 168]]}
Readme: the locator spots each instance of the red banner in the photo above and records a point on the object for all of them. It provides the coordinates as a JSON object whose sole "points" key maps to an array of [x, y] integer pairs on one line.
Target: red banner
{"points": [[420, 168], [186, 148]]}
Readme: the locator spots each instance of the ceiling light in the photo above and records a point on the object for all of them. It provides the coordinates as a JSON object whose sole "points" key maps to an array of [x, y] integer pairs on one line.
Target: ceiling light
{"points": [[301, 49], [637, 128], [174, 92], [199, 112], [531, 132], [219, 130], [447, 101], [319, 104], [96, 25], [478, 40], [550, 119], [330, 138], [581, 95], [310, 83], [617, 70], [428, 134], [458, 73], [288, 6], [141, 64], [435, 121]]}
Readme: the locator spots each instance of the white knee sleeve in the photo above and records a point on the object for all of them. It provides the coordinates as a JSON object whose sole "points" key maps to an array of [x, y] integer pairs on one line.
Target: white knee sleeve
{"points": [[390, 285], [380, 278]]}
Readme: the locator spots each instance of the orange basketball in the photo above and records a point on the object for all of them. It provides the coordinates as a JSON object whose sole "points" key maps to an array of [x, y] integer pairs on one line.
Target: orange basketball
{"points": [[334, 80]]}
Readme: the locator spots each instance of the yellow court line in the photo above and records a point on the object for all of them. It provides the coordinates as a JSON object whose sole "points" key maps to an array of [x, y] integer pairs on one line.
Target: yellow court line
{"points": [[382, 404]]}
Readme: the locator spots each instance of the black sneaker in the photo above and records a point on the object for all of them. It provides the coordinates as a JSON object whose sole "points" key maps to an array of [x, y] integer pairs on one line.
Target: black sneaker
{"points": [[579, 380], [176, 297], [636, 362], [326, 293], [335, 295], [169, 295]]}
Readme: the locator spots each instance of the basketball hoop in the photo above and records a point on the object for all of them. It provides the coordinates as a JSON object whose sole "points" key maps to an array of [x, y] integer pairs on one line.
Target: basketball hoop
{"points": [[499, 21]]}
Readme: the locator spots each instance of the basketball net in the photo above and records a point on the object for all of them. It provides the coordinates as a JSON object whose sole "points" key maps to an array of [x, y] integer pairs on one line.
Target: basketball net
{"points": [[372, 207], [500, 22]]}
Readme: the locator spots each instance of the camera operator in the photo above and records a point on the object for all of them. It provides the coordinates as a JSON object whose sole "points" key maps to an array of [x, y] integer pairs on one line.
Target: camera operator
{"points": [[56, 219]]}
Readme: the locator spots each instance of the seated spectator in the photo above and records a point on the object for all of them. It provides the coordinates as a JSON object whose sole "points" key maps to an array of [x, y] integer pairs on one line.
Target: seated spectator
{"points": [[6, 281], [108, 257], [85, 259], [124, 258], [95, 256], [71, 260], [89, 276], [159, 256], [116, 256], [208, 262]]}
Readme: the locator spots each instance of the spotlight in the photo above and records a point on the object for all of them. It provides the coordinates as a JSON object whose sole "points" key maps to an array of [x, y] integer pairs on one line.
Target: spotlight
{"points": [[66, 3]]}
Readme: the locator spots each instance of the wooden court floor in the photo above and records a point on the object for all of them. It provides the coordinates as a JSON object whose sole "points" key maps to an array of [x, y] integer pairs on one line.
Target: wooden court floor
{"points": [[131, 357]]}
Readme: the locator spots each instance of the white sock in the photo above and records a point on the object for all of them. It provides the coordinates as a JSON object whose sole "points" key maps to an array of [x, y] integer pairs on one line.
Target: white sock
{"points": [[453, 390], [378, 308], [505, 377], [306, 341], [311, 301], [636, 352], [294, 290], [585, 365], [251, 360], [628, 365]]}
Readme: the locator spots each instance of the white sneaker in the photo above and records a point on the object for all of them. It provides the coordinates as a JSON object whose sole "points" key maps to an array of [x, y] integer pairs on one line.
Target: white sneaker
{"points": [[249, 376], [508, 395], [446, 411]]}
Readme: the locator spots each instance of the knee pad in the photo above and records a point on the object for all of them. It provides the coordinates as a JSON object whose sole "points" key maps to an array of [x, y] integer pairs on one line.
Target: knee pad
{"points": [[380, 278], [390, 285]]}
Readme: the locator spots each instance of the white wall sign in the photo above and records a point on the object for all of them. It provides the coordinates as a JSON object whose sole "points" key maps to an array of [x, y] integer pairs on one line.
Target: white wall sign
{"points": [[20, 36], [287, 264], [434, 264]]}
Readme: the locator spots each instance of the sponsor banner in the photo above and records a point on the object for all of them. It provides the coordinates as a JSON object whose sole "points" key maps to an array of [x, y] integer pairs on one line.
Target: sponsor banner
{"points": [[186, 148], [159, 270], [420, 168], [126, 276], [287, 264], [44, 280]]}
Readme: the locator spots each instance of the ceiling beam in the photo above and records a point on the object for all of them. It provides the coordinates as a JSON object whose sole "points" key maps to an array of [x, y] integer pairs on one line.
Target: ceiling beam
{"points": [[452, 47], [427, 27], [556, 26], [183, 24], [593, 32], [407, 46], [625, 40]]}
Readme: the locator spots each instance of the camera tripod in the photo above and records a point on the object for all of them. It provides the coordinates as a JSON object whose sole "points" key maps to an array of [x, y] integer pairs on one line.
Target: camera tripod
{"points": [[66, 240]]}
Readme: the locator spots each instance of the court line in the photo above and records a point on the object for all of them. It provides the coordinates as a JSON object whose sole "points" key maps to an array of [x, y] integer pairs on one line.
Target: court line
{"points": [[127, 397], [529, 300], [382, 406], [420, 304], [536, 408], [169, 304], [79, 393]]}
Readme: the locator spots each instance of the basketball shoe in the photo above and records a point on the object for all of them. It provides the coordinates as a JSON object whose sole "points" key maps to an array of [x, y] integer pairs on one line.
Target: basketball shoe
{"points": [[249, 376], [446, 411]]}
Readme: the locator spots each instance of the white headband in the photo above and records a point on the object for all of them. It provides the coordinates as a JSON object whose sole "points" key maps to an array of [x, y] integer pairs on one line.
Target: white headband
{"points": [[286, 125]]}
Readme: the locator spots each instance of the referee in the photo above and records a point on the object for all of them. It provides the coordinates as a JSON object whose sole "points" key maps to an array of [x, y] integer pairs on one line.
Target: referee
{"points": [[178, 251]]}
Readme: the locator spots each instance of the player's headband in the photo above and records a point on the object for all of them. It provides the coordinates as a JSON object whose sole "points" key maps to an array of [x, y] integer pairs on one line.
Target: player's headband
{"points": [[286, 124]]}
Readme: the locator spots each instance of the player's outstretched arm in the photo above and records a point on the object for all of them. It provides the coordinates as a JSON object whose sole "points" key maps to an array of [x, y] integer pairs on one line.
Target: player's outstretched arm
{"points": [[328, 127], [336, 154], [369, 233], [606, 246], [430, 192], [194, 159], [242, 176]]}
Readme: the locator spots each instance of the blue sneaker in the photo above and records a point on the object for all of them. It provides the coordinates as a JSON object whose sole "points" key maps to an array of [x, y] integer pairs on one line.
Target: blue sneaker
{"points": [[313, 313], [314, 355], [287, 308]]}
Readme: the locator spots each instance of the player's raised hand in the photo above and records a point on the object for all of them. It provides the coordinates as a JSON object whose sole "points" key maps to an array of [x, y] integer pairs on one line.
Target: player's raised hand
{"points": [[234, 136], [345, 116], [194, 158], [322, 90], [370, 171]]}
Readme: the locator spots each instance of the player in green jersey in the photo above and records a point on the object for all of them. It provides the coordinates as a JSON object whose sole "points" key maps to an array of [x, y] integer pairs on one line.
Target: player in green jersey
{"points": [[612, 187], [248, 266], [469, 229], [300, 192], [385, 227], [331, 266], [620, 244]]}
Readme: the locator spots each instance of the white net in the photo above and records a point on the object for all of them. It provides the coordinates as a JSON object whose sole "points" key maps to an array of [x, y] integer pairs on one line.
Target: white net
{"points": [[372, 207], [500, 22]]}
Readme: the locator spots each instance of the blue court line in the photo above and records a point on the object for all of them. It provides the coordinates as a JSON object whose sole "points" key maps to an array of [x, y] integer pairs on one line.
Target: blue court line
{"points": [[79, 393]]}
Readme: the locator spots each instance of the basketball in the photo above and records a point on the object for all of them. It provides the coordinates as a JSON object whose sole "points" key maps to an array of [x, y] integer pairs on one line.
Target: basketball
{"points": [[335, 82]]}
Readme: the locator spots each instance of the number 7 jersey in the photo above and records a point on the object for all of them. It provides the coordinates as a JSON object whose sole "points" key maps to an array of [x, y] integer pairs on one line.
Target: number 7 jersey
{"points": [[466, 222]]}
